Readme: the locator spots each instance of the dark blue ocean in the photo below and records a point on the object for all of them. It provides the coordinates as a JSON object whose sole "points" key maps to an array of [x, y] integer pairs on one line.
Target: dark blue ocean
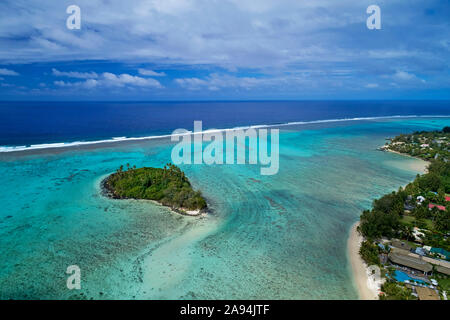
{"points": [[26, 123]]}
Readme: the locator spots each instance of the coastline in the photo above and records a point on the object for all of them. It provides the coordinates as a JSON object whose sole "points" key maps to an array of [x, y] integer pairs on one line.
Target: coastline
{"points": [[366, 286], [421, 166]]}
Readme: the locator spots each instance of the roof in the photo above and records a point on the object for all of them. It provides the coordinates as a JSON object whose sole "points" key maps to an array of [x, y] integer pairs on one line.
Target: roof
{"points": [[427, 294], [420, 251], [447, 198], [443, 270], [440, 251], [411, 262], [432, 205], [437, 262]]}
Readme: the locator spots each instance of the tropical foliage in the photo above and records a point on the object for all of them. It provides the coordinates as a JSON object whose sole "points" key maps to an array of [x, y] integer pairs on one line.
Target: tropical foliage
{"points": [[167, 185], [395, 214], [425, 145], [369, 253], [395, 291]]}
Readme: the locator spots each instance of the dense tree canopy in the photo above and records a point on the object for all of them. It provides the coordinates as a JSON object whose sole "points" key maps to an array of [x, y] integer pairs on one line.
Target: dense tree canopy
{"points": [[385, 218], [168, 185]]}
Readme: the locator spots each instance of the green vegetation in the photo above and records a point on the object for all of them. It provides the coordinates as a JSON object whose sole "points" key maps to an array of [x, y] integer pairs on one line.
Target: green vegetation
{"points": [[443, 281], [423, 203], [169, 186], [424, 145], [369, 253], [395, 214], [412, 221], [395, 291], [384, 218]]}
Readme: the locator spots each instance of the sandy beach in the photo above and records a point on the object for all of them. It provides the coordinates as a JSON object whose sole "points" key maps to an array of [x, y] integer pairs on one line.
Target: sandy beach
{"points": [[416, 164], [366, 284], [367, 288]]}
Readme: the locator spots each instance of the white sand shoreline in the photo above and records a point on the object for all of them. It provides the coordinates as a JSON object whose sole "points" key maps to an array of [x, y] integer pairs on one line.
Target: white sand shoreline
{"points": [[420, 165], [367, 288]]}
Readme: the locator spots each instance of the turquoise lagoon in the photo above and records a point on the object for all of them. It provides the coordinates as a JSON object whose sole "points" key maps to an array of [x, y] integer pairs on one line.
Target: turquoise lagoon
{"points": [[267, 237]]}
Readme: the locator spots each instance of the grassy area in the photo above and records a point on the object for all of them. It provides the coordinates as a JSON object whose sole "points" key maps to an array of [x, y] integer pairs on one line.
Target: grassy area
{"points": [[410, 220], [444, 282]]}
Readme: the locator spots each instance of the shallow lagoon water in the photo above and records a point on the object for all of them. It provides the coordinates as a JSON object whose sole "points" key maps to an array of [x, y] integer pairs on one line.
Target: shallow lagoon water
{"points": [[277, 237]]}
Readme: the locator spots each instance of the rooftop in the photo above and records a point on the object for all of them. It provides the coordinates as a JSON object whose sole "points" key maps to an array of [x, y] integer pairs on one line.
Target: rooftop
{"points": [[443, 270], [427, 294], [411, 262], [432, 205]]}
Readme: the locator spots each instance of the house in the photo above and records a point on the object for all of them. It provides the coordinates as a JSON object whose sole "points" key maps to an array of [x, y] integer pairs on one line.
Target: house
{"points": [[442, 252], [420, 199], [447, 198], [425, 145], [420, 251], [432, 205], [427, 294], [418, 235]]}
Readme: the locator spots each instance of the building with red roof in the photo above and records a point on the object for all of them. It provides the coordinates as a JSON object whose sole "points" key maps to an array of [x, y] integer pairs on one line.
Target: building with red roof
{"points": [[447, 198], [432, 205]]}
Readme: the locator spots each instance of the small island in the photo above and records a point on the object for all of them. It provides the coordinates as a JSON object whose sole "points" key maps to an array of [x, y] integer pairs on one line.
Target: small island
{"points": [[168, 186]]}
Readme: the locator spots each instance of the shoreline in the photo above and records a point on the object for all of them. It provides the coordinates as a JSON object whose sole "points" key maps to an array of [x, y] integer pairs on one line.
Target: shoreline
{"points": [[423, 168], [366, 286]]}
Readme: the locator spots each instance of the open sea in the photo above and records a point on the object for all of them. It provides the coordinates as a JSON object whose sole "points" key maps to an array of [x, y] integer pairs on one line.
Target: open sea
{"points": [[268, 237]]}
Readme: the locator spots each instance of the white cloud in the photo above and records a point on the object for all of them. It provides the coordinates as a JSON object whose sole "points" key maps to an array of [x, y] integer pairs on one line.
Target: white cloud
{"points": [[217, 81], [372, 85], [74, 74], [108, 79], [407, 77], [146, 72], [126, 79], [7, 72], [403, 75], [192, 83]]}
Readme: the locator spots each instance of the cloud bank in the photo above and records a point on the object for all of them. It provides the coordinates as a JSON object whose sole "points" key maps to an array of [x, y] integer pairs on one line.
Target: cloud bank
{"points": [[287, 46]]}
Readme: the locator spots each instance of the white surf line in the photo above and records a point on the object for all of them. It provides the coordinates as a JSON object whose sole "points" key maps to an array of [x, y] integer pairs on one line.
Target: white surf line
{"points": [[121, 139]]}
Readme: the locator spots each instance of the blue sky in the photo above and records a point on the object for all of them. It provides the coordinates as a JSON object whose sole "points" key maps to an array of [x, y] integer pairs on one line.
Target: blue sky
{"points": [[224, 50]]}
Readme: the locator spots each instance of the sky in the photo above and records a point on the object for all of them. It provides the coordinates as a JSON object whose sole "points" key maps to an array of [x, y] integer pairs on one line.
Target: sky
{"points": [[224, 50]]}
